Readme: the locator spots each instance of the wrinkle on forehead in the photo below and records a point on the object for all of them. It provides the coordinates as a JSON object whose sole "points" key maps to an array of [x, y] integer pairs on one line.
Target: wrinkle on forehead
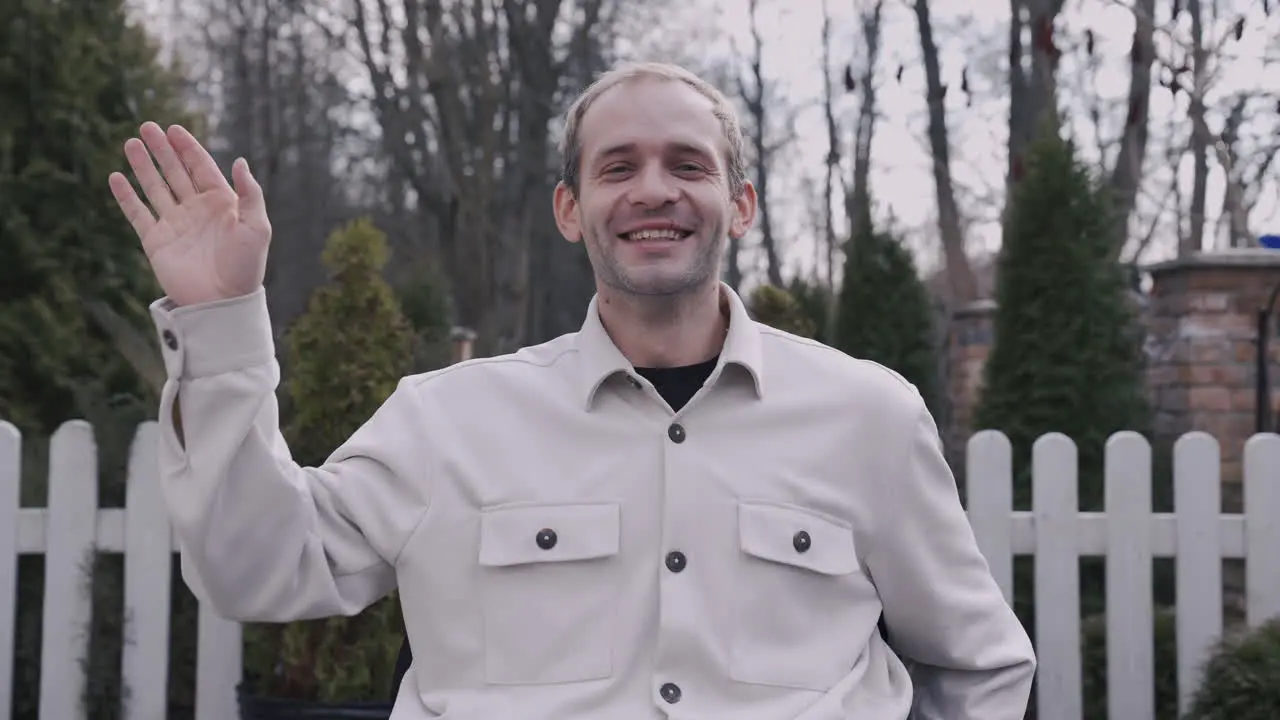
{"points": [[651, 114]]}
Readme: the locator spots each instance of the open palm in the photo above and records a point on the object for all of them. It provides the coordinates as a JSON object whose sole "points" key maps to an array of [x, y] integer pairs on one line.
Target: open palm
{"points": [[205, 240]]}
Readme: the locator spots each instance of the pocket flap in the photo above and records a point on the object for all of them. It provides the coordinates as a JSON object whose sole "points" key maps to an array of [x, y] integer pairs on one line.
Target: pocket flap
{"points": [[524, 534], [798, 537]]}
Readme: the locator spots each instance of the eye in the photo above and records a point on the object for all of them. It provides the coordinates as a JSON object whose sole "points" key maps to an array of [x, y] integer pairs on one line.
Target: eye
{"points": [[616, 169], [689, 167]]}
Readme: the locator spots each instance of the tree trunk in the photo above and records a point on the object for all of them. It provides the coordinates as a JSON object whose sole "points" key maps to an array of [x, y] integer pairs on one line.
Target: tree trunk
{"points": [[1128, 170], [959, 271]]}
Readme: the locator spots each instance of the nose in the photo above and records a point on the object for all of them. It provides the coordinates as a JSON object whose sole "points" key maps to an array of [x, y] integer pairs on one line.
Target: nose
{"points": [[653, 187]]}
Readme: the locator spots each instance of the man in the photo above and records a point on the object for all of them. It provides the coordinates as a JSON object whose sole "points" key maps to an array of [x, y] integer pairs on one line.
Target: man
{"points": [[674, 512]]}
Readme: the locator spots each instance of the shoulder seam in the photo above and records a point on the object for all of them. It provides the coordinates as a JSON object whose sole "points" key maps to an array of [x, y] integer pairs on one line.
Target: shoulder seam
{"points": [[417, 381], [809, 342]]}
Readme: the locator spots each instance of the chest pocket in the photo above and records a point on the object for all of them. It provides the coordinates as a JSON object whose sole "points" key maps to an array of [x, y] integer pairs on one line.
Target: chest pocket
{"points": [[803, 607], [548, 578]]}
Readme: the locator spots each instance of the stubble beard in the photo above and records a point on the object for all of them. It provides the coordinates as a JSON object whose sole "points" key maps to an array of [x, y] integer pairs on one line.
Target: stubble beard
{"points": [[702, 269]]}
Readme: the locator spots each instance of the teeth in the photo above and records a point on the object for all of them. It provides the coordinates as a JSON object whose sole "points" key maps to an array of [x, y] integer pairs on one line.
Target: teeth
{"points": [[655, 235]]}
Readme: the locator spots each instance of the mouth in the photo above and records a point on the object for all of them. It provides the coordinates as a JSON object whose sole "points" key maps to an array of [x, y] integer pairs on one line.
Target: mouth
{"points": [[663, 235]]}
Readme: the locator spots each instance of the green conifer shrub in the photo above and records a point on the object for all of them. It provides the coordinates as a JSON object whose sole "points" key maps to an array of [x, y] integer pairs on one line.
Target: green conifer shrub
{"points": [[777, 308], [883, 310], [1242, 679]]}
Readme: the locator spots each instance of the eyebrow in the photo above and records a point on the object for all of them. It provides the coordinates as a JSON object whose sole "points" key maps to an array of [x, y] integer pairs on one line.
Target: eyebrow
{"points": [[680, 148]]}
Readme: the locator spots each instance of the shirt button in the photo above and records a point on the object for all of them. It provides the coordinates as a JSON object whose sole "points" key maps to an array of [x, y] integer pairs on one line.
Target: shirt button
{"points": [[671, 693], [170, 339], [676, 433], [676, 561], [801, 541], [546, 539]]}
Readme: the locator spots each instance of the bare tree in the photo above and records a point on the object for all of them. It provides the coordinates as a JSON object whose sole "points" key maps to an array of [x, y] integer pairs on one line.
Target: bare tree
{"points": [[465, 91], [1245, 165], [858, 195], [273, 94], [1200, 139], [754, 94], [1126, 174], [1032, 95], [959, 271], [832, 162]]}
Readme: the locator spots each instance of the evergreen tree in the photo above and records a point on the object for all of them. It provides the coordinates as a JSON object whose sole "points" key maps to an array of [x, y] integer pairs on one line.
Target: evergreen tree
{"points": [[346, 355], [76, 80], [777, 308], [883, 312], [814, 299], [1067, 356], [350, 348], [426, 306]]}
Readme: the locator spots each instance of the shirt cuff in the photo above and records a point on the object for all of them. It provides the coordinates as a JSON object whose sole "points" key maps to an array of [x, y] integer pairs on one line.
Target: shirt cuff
{"points": [[215, 337]]}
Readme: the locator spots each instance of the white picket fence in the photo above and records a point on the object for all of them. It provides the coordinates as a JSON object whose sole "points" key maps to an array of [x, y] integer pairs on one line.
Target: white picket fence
{"points": [[66, 533], [1128, 534]]}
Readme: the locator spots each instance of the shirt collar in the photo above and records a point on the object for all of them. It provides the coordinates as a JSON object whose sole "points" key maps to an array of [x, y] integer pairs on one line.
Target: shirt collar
{"points": [[601, 359]]}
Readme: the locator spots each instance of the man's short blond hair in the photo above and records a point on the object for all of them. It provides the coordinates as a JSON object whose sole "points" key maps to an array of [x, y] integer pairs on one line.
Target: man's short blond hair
{"points": [[571, 142]]}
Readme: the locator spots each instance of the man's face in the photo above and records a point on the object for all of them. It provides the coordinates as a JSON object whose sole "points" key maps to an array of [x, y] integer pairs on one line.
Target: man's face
{"points": [[654, 205]]}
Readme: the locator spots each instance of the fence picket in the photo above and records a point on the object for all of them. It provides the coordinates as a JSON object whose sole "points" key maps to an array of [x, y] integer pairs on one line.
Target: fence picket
{"points": [[1262, 532], [218, 666], [1197, 501], [990, 497], [148, 565], [10, 486], [1054, 502], [69, 545], [1130, 600]]}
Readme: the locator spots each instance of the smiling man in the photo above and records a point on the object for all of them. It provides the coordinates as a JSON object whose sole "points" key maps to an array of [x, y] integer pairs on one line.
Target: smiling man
{"points": [[673, 512]]}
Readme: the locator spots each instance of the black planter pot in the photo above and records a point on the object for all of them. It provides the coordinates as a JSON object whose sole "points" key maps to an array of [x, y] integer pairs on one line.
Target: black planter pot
{"points": [[255, 707]]}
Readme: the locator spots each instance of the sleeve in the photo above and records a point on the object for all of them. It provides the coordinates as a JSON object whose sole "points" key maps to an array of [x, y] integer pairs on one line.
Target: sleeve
{"points": [[263, 539], [944, 611]]}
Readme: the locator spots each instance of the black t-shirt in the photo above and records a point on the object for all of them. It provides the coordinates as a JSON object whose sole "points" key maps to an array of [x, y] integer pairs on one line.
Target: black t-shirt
{"points": [[676, 385]]}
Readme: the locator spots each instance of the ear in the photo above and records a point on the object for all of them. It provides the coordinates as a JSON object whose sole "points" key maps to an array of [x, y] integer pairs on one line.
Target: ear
{"points": [[744, 211], [566, 210]]}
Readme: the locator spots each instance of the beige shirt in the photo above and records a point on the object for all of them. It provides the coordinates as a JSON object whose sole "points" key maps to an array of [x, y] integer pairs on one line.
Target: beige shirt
{"points": [[568, 548]]}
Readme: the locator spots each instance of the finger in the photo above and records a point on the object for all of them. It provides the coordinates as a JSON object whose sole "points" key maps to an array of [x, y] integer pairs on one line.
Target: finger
{"points": [[135, 211], [204, 171], [153, 186], [253, 205], [175, 172]]}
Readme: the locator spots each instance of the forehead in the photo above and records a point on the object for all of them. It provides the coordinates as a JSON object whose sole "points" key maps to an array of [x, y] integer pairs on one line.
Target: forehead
{"points": [[650, 114]]}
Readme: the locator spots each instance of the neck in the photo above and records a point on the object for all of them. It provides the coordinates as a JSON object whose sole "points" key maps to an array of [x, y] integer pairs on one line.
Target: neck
{"points": [[665, 331]]}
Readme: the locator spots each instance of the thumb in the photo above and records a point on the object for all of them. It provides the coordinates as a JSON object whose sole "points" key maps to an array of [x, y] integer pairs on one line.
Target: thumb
{"points": [[253, 206]]}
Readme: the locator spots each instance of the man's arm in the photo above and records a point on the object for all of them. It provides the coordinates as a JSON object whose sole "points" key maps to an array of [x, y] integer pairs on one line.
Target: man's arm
{"points": [[261, 538], [944, 611]]}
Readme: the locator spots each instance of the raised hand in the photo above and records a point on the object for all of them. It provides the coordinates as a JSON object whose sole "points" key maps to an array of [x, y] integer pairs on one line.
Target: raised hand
{"points": [[205, 240]]}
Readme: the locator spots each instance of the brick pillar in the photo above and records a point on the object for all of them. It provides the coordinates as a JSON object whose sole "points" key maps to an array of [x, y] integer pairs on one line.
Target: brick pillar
{"points": [[1201, 345], [968, 346]]}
